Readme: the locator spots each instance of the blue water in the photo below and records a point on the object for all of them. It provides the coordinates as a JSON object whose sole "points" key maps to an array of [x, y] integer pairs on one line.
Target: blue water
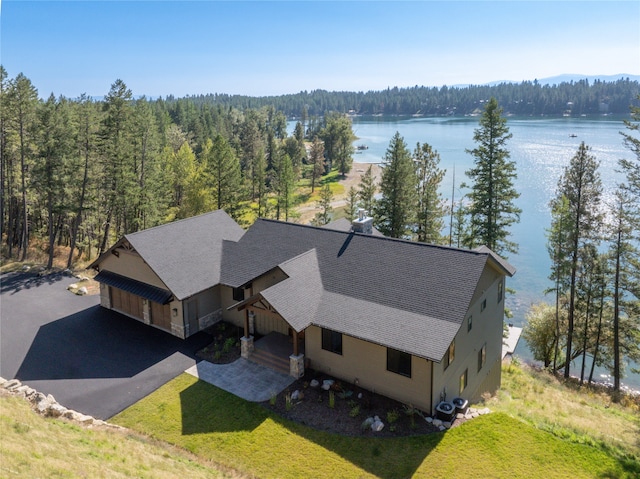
{"points": [[541, 148]]}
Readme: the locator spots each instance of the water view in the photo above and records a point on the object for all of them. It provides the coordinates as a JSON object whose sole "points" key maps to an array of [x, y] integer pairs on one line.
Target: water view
{"points": [[541, 149]]}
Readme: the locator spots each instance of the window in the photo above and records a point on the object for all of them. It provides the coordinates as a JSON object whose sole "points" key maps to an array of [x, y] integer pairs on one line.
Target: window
{"points": [[469, 323], [331, 341], [483, 305], [450, 354], [500, 286], [399, 362], [238, 294], [482, 356], [463, 381]]}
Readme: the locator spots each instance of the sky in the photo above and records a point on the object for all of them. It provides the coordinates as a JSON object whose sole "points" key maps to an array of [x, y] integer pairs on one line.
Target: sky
{"points": [[263, 48]]}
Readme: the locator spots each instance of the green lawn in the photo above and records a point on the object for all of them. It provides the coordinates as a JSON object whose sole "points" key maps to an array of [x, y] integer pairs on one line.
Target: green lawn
{"points": [[220, 427]]}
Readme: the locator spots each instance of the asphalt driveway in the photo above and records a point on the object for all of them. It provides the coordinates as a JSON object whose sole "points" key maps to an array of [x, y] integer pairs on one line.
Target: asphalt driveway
{"points": [[90, 359]]}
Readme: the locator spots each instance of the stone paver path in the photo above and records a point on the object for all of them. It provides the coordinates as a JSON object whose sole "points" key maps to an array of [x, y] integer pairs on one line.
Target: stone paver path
{"points": [[243, 378]]}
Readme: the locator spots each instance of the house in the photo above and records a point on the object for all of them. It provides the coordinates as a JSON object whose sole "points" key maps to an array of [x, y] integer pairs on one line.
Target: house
{"points": [[413, 321]]}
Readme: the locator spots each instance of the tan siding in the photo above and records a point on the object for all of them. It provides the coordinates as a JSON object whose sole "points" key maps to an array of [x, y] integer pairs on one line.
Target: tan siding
{"points": [[367, 363], [486, 329], [131, 265]]}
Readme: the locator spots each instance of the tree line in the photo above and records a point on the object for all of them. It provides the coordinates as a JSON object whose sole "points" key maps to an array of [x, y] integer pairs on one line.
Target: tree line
{"points": [[528, 98], [81, 173]]}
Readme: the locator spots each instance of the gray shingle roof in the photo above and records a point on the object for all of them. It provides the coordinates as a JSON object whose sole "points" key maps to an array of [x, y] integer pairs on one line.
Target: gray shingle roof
{"points": [[409, 296], [186, 254]]}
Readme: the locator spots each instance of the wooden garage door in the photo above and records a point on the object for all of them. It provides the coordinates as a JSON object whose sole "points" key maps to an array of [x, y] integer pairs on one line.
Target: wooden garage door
{"points": [[126, 302], [161, 315]]}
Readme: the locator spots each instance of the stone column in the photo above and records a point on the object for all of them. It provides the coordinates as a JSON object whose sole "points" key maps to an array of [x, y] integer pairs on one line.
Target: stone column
{"points": [[246, 346], [296, 365]]}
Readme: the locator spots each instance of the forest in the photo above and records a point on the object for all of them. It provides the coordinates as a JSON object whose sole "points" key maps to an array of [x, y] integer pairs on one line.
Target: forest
{"points": [[528, 98], [80, 173]]}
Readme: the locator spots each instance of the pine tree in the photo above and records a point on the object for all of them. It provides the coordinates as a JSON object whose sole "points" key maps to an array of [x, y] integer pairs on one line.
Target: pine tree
{"points": [[352, 203], [581, 186], [21, 104], [367, 189], [395, 211], [316, 158], [431, 211], [50, 172], [492, 195], [625, 264], [224, 177], [326, 197]]}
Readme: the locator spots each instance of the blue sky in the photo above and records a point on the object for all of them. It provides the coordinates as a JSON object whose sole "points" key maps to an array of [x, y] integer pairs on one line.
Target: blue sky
{"points": [[265, 48]]}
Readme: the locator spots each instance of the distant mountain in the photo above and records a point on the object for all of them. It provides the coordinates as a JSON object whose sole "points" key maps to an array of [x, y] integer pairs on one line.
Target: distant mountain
{"points": [[568, 77]]}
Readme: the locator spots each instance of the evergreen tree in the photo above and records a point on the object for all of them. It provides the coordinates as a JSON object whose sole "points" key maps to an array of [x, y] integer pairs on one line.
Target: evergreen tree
{"points": [[50, 172], [367, 189], [352, 203], [223, 168], [284, 186], [492, 195], [21, 104], [625, 259], [580, 185], [326, 197], [316, 158], [431, 211], [338, 137], [118, 181], [395, 211]]}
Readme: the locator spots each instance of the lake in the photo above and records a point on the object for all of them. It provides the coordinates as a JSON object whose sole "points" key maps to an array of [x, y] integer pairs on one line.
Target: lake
{"points": [[541, 148]]}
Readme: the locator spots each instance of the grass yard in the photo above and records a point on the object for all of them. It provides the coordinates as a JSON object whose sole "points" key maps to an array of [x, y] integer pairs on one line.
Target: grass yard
{"points": [[32, 446], [220, 427]]}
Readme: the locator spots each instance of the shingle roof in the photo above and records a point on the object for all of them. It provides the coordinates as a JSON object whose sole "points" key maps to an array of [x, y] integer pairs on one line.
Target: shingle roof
{"points": [[407, 295], [186, 254], [344, 224]]}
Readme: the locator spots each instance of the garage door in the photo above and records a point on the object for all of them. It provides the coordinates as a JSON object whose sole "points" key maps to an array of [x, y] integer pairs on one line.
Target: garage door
{"points": [[161, 315], [126, 303]]}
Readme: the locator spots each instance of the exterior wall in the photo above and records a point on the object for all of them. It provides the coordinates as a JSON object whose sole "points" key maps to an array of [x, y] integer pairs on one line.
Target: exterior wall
{"points": [[264, 324], [486, 330], [208, 306], [131, 265], [366, 363]]}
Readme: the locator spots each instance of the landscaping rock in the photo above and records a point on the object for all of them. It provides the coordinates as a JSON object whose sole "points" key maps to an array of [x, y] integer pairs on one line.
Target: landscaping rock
{"points": [[55, 410], [377, 425], [314, 383], [295, 395], [429, 419], [12, 384], [82, 291], [459, 416], [442, 428], [486, 410], [327, 383], [72, 286], [447, 424], [437, 422]]}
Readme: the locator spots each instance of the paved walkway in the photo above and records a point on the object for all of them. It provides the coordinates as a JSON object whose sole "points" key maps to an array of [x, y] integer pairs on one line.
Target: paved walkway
{"points": [[248, 380]]}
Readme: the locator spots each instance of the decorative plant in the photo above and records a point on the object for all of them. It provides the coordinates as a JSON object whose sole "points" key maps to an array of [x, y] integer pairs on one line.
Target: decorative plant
{"points": [[355, 411], [332, 399], [412, 412], [392, 417], [272, 399], [288, 403]]}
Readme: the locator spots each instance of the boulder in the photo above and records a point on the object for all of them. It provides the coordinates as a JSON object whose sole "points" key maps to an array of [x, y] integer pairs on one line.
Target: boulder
{"points": [[82, 291], [72, 286], [367, 423]]}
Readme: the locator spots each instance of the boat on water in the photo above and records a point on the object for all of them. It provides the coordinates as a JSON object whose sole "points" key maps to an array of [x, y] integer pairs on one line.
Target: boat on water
{"points": [[573, 135], [362, 147]]}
